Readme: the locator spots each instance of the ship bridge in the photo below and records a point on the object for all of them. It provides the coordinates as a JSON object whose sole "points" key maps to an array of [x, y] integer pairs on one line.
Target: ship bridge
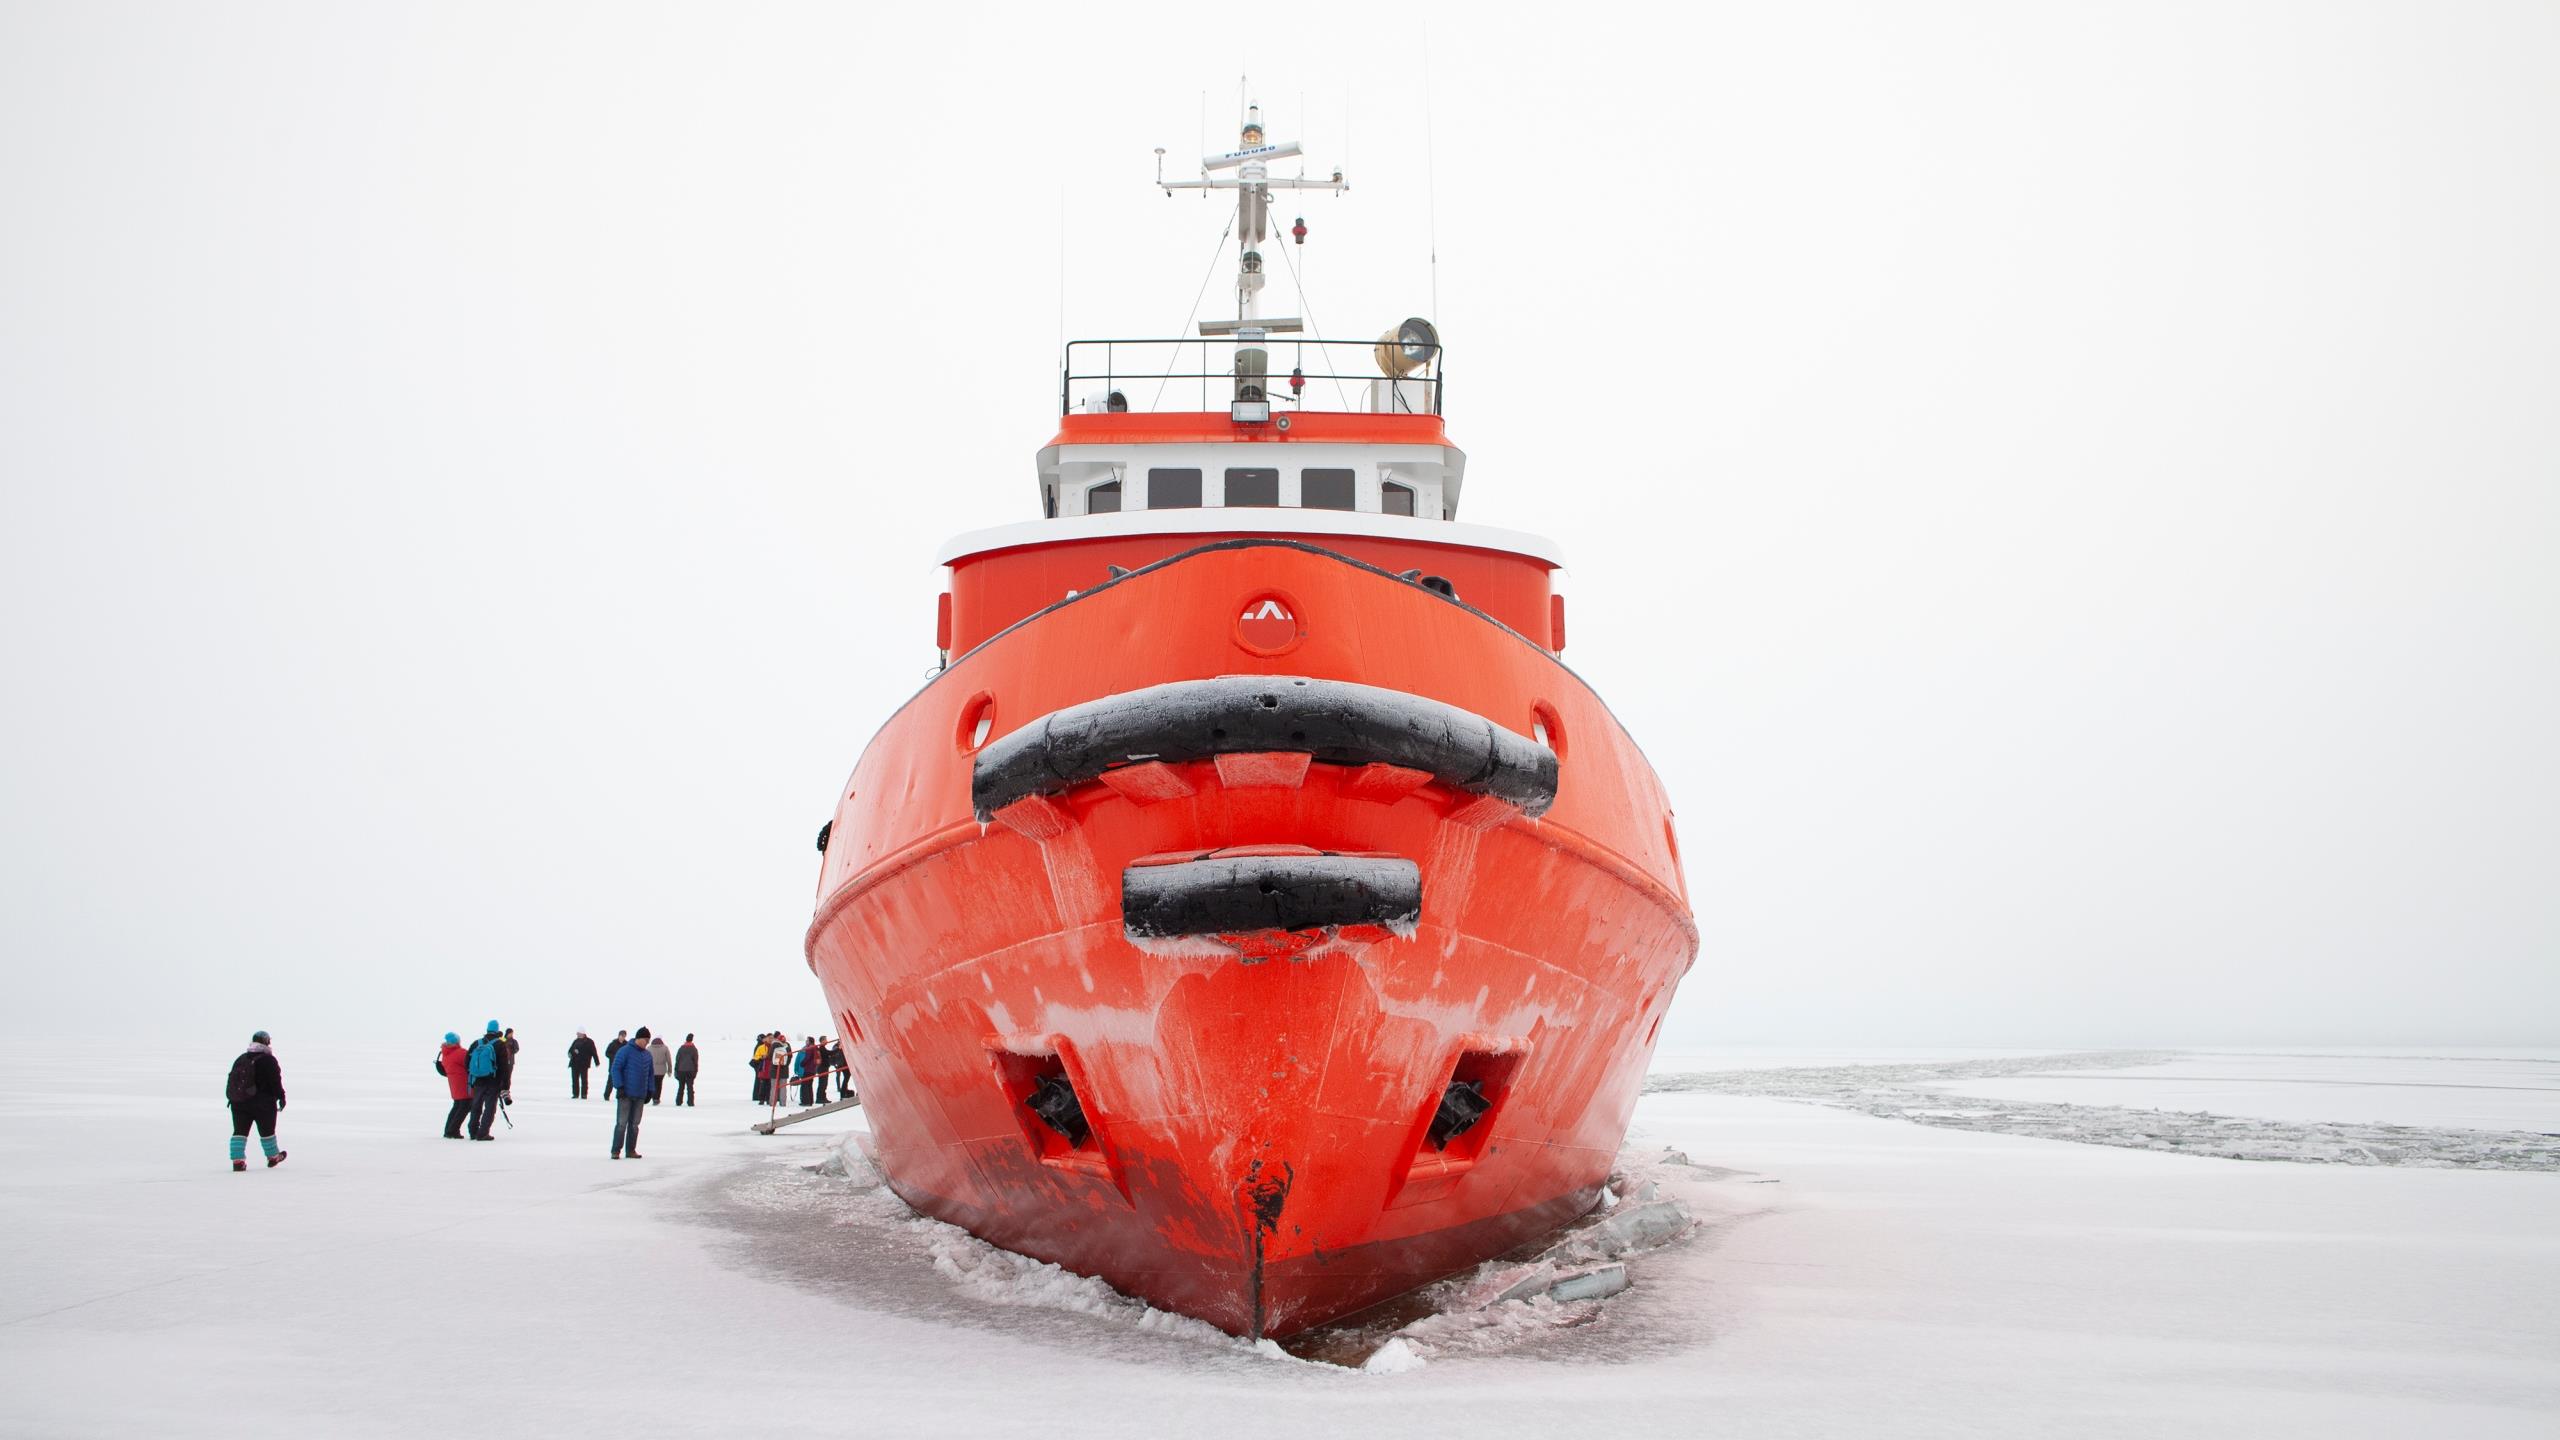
{"points": [[1250, 429], [1210, 414]]}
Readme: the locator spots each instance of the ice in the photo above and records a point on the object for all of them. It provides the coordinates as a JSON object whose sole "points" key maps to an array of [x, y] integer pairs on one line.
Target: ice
{"points": [[1001, 1277], [1393, 1358], [1494, 1303], [2510, 1092], [995, 1276], [1919, 1092], [1843, 1273], [1597, 1282], [1634, 1227]]}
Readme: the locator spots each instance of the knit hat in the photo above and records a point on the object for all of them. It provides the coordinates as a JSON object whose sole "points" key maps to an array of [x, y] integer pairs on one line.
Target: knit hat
{"points": [[452, 1039], [493, 1027], [260, 1038]]}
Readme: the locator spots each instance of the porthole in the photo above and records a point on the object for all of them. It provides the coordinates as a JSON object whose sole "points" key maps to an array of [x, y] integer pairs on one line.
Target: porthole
{"points": [[977, 723], [1547, 727]]}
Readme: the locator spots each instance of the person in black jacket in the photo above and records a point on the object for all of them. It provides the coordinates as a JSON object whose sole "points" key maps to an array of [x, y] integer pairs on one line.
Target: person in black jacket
{"points": [[613, 1047], [582, 1057], [255, 1093], [688, 1065], [834, 1061]]}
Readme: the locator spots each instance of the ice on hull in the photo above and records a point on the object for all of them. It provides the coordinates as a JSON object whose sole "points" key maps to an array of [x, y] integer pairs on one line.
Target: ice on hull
{"points": [[1259, 1148], [1262, 1035]]}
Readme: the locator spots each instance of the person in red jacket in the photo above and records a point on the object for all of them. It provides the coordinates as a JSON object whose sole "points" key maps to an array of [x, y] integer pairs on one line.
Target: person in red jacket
{"points": [[455, 1067]]}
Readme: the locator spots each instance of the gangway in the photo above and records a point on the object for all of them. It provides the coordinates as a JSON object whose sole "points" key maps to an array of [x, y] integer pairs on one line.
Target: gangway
{"points": [[818, 1078]]}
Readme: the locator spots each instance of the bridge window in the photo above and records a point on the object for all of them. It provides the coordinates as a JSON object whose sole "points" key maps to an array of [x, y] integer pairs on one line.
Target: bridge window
{"points": [[1176, 490], [1102, 499], [1253, 487], [1328, 490], [1395, 499]]}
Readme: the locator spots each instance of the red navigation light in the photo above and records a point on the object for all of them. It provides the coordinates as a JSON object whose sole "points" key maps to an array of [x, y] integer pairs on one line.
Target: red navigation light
{"points": [[1299, 230], [1297, 381]]}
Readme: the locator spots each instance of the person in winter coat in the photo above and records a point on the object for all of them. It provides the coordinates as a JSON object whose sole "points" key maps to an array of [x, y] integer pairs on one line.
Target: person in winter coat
{"points": [[660, 1057], [762, 1064], [805, 1068], [631, 1078], [492, 1067], [582, 1058], [453, 1063], [688, 1065], [255, 1092], [835, 1062], [612, 1048]]}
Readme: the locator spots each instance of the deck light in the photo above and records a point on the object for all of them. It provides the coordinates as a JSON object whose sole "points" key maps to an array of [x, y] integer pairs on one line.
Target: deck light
{"points": [[1410, 346], [1251, 412]]}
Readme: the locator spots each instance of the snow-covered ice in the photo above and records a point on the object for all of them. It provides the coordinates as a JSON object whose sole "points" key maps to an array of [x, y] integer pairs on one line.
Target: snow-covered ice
{"points": [[1834, 1271], [2045, 1096], [2505, 1090]]}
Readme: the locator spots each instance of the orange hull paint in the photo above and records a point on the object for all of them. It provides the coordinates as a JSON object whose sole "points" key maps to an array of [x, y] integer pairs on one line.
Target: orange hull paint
{"points": [[1259, 1105]]}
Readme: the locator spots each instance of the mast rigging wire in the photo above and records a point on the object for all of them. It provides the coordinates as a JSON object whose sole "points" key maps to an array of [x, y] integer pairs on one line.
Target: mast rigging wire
{"points": [[1216, 252], [1308, 309]]}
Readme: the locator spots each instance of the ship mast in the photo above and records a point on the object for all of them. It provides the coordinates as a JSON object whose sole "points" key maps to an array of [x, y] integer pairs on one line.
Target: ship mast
{"points": [[1253, 184]]}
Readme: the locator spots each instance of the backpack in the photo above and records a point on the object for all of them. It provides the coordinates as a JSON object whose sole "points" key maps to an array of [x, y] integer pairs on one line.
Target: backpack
{"points": [[242, 1087], [484, 1059]]}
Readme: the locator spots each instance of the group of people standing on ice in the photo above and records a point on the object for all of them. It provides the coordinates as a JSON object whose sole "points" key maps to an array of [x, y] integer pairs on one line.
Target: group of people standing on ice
{"points": [[481, 1080], [778, 1066], [684, 1062]]}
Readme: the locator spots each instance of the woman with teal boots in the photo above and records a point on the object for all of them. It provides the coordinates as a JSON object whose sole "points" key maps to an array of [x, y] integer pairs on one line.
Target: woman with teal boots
{"points": [[256, 1093]]}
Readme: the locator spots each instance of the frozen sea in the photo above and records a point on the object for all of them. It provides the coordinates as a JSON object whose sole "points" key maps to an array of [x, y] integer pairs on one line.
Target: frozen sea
{"points": [[1972, 1243]]}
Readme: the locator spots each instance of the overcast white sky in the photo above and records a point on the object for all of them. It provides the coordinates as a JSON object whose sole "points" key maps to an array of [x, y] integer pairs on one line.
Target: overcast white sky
{"points": [[2067, 495]]}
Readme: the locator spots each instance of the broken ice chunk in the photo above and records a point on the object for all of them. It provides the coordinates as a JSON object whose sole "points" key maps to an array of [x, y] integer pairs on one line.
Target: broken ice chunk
{"points": [[1589, 1284]]}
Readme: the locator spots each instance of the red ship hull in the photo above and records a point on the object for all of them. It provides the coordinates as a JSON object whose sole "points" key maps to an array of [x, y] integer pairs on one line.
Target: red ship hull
{"points": [[1259, 1138]]}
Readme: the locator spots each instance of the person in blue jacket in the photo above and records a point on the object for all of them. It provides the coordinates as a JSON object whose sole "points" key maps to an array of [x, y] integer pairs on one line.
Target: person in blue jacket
{"points": [[630, 1077], [492, 1067]]}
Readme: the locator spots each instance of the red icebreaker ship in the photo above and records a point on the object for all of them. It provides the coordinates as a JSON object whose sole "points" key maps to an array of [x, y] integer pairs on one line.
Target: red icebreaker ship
{"points": [[1254, 912]]}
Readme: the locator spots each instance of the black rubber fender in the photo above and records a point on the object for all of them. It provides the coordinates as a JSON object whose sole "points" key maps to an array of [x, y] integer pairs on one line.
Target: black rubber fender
{"points": [[1225, 895], [1336, 721]]}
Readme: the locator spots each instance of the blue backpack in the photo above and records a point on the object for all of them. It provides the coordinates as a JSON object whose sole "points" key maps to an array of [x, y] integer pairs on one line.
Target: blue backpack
{"points": [[484, 1058]]}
